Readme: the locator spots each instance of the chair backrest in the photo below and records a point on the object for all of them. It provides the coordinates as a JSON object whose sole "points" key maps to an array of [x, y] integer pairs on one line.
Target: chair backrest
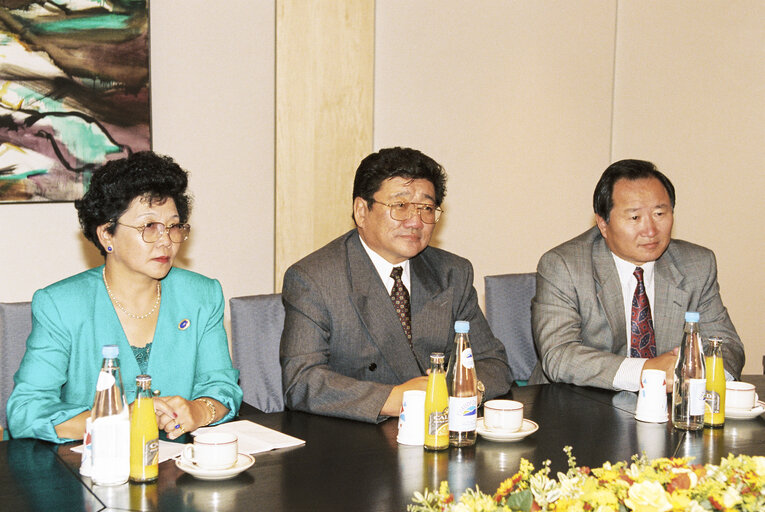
{"points": [[257, 322], [15, 326], [508, 311]]}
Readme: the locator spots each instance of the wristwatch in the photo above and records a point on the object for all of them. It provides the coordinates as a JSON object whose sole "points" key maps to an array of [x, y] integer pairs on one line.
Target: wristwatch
{"points": [[481, 392]]}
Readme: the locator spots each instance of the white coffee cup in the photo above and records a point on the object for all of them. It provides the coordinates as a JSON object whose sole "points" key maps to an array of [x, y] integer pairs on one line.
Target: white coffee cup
{"points": [[652, 397], [212, 450], [411, 420], [740, 396], [503, 416]]}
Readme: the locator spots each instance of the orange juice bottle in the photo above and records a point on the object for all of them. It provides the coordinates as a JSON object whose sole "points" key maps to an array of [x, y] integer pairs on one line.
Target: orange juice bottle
{"points": [[436, 405], [144, 435], [714, 411]]}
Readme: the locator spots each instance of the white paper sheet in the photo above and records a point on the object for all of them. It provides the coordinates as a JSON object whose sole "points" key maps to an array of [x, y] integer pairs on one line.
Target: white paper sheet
{"points": [[254, 438]]}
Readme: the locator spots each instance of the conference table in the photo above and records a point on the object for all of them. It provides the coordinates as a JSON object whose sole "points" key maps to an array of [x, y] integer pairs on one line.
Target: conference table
{"points": [[348, 465]]}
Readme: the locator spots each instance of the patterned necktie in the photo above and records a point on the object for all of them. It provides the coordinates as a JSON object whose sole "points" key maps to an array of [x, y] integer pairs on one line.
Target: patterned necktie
{"points": [[400, 298], [643, 343]]}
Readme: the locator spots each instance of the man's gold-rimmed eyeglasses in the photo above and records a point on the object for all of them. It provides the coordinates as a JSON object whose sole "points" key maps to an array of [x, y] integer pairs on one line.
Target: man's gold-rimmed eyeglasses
{"points": [[429, 213], [153, 231]]}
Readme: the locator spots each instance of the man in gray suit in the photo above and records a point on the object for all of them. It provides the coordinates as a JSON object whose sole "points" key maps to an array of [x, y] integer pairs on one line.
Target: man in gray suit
{"points": [[346, 349], [611, 302]]}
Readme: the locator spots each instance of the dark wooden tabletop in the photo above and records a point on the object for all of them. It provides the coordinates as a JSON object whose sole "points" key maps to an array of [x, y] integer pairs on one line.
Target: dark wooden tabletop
{"points": [[347, 465]]}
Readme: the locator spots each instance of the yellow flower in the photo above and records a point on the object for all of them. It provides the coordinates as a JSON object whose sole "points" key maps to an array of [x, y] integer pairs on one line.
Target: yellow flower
{"points": [[731, 497], [648, 497], [593, 494], [608, 473], [759, 466], [680, 500]]}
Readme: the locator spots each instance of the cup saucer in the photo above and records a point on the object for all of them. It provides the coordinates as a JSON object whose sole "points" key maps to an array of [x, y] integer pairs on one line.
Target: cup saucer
{"points": [[527, 428], [243, 462], [738, 414]]}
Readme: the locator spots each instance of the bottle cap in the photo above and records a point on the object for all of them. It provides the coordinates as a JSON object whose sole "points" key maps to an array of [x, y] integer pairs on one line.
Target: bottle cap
{"points": [[110, 351], [436, 358], [691, 316], [462, 326]]}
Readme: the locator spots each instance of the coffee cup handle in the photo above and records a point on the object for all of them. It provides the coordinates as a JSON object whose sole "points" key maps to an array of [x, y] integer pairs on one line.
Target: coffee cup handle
{"points": [[187, 455]]}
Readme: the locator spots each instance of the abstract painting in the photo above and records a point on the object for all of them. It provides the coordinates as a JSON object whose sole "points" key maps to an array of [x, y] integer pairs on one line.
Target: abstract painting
{"points": [[74, 93]]}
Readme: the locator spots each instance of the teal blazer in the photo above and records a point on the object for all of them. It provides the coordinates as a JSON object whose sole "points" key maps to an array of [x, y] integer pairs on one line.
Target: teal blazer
{"points": [[74, 318]]}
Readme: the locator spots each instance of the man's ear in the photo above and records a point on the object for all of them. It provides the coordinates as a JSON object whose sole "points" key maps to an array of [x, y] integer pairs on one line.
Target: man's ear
{"points": [[602, 225], [360, 211]]}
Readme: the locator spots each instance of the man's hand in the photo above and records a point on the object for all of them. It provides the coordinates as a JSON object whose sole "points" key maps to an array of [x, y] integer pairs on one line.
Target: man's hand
{"points": [[392, 406], [666, 362]]}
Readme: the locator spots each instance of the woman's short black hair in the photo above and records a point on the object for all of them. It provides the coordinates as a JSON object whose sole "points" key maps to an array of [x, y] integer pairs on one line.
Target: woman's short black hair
{"points": [[118, 182]]}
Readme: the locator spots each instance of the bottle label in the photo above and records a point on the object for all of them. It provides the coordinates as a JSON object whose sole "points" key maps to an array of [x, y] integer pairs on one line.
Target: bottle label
{"points": [[713, 400], [467, 358], [151, 452], [438, 423], [462, 413], [697, 390], [110, 453], [105, 381]]}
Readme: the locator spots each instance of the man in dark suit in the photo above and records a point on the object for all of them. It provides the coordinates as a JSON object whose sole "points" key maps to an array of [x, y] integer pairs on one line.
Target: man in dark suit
{"points": [[358, 332], [611, 302]]}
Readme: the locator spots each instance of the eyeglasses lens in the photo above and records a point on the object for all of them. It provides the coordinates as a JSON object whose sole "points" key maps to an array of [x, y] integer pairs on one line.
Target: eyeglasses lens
{"points": [[402, 212], [154, 231]]}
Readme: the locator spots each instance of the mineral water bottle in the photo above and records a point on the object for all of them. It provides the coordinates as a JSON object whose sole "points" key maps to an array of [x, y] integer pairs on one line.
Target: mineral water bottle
{"points": [[436, 405], [110, 429], [463, 391], [144, 435], [714, 412], [690, 379]]}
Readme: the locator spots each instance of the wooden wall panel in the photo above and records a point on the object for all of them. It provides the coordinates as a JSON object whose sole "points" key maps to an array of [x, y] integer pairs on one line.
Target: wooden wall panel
{"points": [[324, 119]]}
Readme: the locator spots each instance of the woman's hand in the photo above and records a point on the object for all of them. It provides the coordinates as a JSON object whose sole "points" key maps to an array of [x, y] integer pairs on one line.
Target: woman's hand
{"points": [[178, 416]]}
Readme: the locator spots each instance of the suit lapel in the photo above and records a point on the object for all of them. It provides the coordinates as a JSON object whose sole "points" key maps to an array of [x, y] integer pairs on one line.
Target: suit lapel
{"points": [[671, 302], [609, 290], [431, 308], [376, 312]]}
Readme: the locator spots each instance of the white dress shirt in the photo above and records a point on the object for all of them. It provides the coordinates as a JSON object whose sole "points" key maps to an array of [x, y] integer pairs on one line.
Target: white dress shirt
{"points": [[384, 268], [628, 375]]}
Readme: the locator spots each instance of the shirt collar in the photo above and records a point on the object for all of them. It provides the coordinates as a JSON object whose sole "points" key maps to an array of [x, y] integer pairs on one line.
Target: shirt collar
{"points": [[384, 268], [626, 269]]}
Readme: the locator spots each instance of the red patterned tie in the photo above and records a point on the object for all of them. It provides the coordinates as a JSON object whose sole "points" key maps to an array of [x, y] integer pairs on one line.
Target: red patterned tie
{"points": [[400, 298], [643, 343]]}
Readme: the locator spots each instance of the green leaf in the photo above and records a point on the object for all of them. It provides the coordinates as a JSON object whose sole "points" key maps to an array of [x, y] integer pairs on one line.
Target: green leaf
{"points": [[521, 500]]}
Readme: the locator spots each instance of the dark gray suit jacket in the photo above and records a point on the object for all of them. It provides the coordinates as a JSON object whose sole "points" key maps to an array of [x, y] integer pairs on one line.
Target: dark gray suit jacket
{"points": [[343, 348], [578, 312]]}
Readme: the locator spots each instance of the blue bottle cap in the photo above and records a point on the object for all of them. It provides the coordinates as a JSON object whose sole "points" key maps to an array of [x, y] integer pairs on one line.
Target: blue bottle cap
{"points": [[110, 351], [462, 326], [691, 316]]}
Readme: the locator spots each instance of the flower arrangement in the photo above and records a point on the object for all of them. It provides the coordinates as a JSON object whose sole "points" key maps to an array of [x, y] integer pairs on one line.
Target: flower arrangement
{"points": [[736, 484]]}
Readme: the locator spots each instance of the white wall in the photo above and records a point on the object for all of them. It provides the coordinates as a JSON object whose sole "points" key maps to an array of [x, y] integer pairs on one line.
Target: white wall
{"points": [[213, 111], [526, 103]]}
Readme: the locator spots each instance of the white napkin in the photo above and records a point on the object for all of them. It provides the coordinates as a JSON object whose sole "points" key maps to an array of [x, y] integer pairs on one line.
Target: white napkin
{"points": [[253, 438]]}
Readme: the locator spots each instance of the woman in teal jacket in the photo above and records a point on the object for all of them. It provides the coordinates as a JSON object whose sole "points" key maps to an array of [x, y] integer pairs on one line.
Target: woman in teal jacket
{"points": [[167, 322]]}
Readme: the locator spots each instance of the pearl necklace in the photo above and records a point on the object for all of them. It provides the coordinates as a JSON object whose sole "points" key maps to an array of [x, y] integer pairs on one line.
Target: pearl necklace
{"points": [[119, 304]]}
